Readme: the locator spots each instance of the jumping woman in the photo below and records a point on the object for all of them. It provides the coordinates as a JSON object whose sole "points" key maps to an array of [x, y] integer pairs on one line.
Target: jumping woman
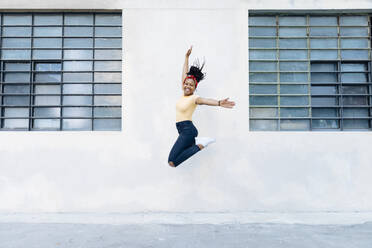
{"points": [[187, 144]]}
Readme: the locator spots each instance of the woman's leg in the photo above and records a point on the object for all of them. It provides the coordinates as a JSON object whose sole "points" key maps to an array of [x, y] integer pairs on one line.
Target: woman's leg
{"points": [[183, 149]]}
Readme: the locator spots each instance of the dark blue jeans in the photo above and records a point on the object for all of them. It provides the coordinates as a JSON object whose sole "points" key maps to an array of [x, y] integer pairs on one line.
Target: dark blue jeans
{"points": [[185, 144]]}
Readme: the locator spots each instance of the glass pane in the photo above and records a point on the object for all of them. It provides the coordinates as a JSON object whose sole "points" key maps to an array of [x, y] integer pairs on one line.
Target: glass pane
{"points": [[77, 112], [263, 125], [292, 43], [354, 43], [353, 31], [109, 125], [324, 112], [263, 112], [323, 67], [16, 54], [107, 77], [354, 67], [263, 89], [16, 77], [262, 54], [16, 112], [262, 66], [48, 42], [47, 100], [16, 43], [262, 31], [108, 31], [323, 43], [16, 100], [107, 100], [78, 42], [107, 54], [294, 112], [47, 54], [107, 112], [48, 67], [77, 89], [292, 32], [293, 77], [354, 77], [78, 54], [355, 100], [323, 101], [77, 77], [293, 66], [16, 31], [323, 54], [107, 88], [47, 112], [79, 19], [293, 54], [356, 124], [78, 31], [263, 100], [17, 66], [294, 124], [323, 90], [108, 19], [262, 20], [107, 66], [354, 89], [16, 89], [16, 123], [294, 100], [47, 31], [48, 77], [77, 66], [46, 124], [77, 100], [354, 20], [107, 42], [323, 20], [325, 124], [76, 124], [355, 112], [47, 89], [323, 31], [294, 89], [262, 43], [292, 20], [262, 77], [48, 19], [17, 19], [354, 54], [323, 77]]}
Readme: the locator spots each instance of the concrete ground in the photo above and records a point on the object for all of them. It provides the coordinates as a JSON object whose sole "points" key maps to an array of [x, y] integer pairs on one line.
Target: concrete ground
{"points": [[49, 235]]}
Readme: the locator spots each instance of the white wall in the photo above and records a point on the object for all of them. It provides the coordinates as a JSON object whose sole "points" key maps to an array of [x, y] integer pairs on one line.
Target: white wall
{"points": [[127, 171]]}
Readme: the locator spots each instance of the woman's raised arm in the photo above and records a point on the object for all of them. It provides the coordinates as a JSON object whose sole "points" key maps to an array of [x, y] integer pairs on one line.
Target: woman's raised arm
{"points": [[186, 65], [212, 102]]}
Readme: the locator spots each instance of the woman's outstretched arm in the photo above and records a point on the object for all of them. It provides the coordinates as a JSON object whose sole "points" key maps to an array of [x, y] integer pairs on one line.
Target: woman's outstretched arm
{"points": [[212, 102], [186, 65]]}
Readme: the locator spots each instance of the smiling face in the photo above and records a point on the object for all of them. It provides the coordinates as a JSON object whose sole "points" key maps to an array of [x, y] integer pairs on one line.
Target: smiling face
{"points": [[188, 87]]}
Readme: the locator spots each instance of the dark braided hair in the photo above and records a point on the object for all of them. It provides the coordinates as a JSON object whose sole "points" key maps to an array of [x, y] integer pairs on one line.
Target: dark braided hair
{"points": [[196, 70]]}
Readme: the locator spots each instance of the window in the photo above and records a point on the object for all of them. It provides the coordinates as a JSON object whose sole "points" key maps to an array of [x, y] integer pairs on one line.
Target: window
{"points": [[60, 71], [309, 72]]}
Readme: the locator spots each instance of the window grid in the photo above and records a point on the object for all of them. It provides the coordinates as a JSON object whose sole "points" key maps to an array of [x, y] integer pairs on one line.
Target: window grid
{"points": [[270, 109], [33, 106]]}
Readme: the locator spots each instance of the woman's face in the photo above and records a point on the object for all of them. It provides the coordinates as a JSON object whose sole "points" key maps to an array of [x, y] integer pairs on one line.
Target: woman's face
{"points": [[188, 87]]}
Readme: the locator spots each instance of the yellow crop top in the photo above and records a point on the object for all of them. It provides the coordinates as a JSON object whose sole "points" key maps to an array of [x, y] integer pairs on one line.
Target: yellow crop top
{"points": [[185, 107]]}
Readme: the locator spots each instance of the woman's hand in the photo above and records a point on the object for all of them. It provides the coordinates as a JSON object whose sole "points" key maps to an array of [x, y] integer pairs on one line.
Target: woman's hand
{"points": [[226, 103], [188, 52]]}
